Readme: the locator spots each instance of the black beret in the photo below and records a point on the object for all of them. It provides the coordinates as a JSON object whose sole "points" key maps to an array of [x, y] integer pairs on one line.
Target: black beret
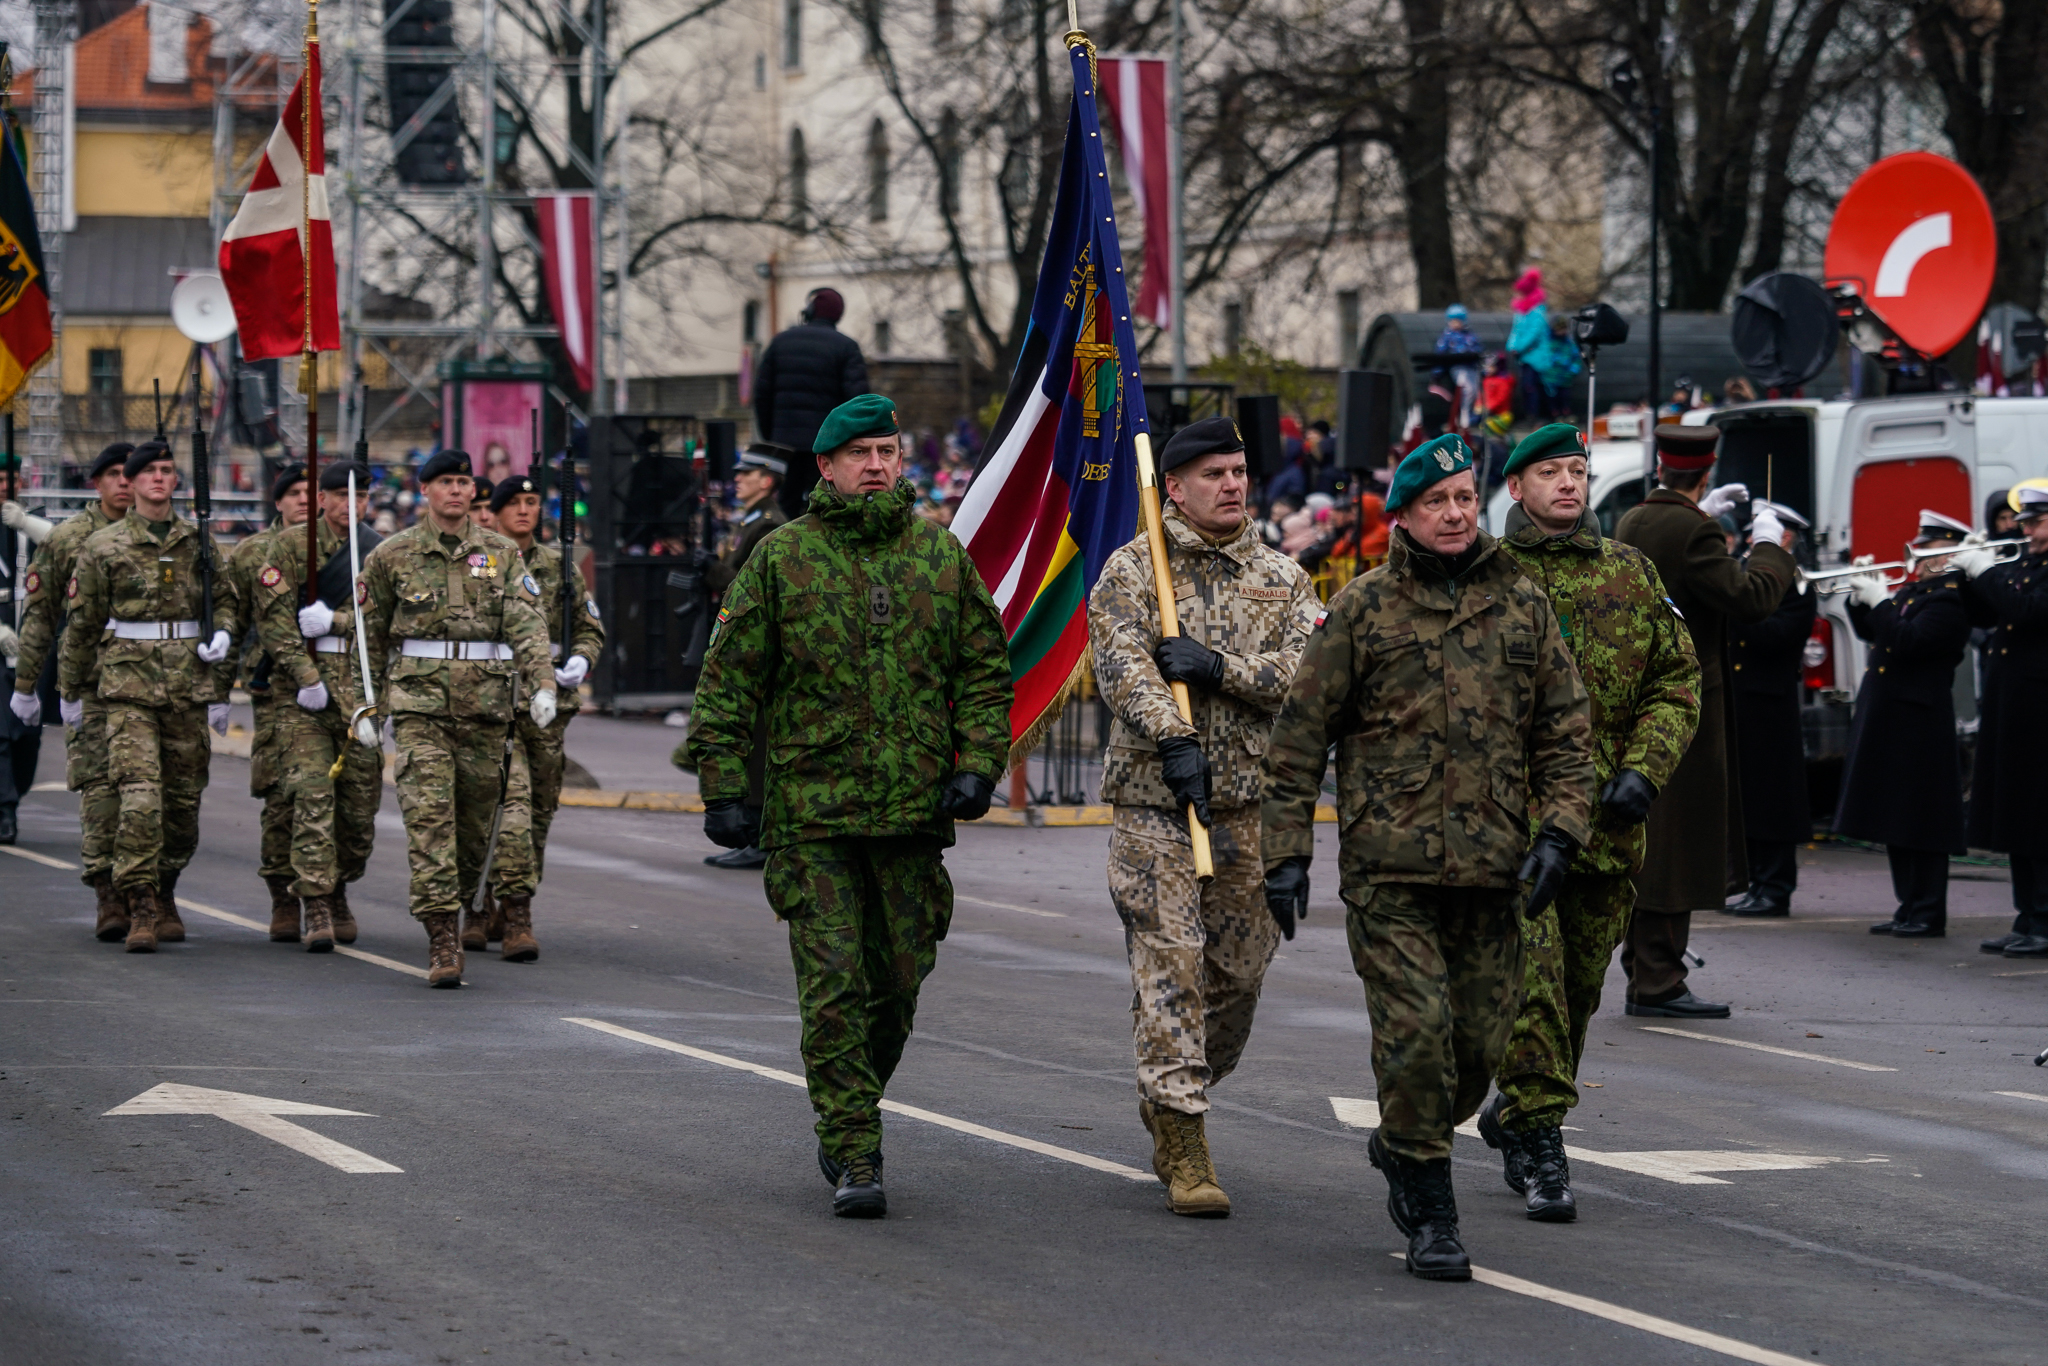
{"points": [[294, 473], [443, 462], [482, 491], [334, 477], [116, 454], [148, 453], [510, 487], [1210, 436]]}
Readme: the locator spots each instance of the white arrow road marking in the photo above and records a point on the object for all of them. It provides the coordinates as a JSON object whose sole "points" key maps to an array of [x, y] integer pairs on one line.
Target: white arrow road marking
{"points": [[1927, 234], [259, 1115], [1767, 1048]]}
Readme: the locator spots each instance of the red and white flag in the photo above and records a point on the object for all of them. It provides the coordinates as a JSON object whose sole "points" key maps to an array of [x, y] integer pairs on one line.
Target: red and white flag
{"points": [[1136, 90], [569, 265], [262, 256]]}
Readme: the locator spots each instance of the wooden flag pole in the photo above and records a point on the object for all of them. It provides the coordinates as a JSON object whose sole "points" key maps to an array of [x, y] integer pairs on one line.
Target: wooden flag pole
{"points": [[1169, 624], [309, 375]]}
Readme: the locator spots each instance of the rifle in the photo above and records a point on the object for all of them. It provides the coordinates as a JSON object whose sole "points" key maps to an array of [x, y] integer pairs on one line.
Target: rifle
{"points": [[202, 496], [7, 535], [565, 524]]}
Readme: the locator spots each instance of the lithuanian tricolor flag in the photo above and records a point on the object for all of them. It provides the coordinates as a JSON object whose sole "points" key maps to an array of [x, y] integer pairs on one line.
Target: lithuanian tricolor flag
{"points": [[1057, 487], [24, 301]]}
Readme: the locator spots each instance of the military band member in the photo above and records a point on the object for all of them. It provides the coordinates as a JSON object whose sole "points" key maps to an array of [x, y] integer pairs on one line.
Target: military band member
{"points": [[455, 629], [1444, 683]]}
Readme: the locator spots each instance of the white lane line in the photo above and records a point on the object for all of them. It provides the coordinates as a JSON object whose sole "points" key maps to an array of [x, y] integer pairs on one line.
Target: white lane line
{"points": [[51, 787], [1648, 1323], [1353, 1113], [2030, 972], [33, 857], [259, 1115], [1079, 1159], [263, 927], [2022, 1095], [1006, 906], [1768, 1048]]}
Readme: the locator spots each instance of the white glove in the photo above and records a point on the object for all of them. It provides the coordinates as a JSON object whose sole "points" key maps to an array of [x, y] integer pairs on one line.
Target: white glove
{"points": [[542, 709], [1724, 498], [1974, 560], [313, 697], [366, 731], [1868, 589], [18, 518], [573, 671], [27, 709], [1977, 537], [72, 712], [217, 717], [1765, 527], [316, 620], [215, 650]]}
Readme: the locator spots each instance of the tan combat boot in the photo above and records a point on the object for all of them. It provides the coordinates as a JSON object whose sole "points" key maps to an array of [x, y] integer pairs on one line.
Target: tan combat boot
{"points": [[141, 919], [1148, 1113], [320, 924], [1191, 1186], [284, 910], [112, 924], [169, 929], [494, 920], [519, 944], [444, 950], [475, 934], [344, 920]]}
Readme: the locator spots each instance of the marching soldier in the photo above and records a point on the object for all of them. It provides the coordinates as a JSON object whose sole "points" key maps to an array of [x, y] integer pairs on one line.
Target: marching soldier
{"points": [[1444, 683], [480, 503], [161, 685], [515, 505], [451, 601], [1635, 657], [314, 658], [44, 617], [1198, 952], [866, 638]]}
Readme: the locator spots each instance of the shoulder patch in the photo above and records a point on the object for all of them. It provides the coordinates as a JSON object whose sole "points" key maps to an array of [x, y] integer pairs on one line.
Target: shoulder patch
{"points": [[33, 582], [590, 604], [71, 589], [362, 592], [1674, 609], [527, 581], [1322, 615], [270, 577]]}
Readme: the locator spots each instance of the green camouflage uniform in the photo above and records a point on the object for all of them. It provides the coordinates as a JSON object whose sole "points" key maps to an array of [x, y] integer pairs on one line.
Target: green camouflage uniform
{"points": [[869, 641], [86, 770], [333, 821], [274, 856], [449, 716], [1198, 953], [1635, 657], [155, 691], [1456, 714]]}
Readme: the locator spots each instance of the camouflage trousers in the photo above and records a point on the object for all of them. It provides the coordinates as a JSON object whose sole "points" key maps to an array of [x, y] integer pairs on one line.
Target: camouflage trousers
{"points": [[274, 849], [519, 871], [1569, 946], [90, 773], [158, 757], [865, 919], [332, 821], [1442, 968], [1198, 954], [447, 779]]}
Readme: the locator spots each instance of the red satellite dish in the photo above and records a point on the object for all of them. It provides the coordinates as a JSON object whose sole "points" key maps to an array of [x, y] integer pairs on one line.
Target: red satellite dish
{"points": [[1914, 236]]}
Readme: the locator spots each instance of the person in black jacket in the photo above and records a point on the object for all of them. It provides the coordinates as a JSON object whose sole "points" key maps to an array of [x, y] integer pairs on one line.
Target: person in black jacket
{"points": [[806, 372], [1902, 786]]}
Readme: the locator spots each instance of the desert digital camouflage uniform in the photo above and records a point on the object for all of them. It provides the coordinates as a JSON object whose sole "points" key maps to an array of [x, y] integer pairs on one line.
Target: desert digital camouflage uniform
{"points": [[878, 656], [274, 851], [333, 821], [449, 716], [155, 691], [1635, 657], [1198, 954], [1456, 714]]}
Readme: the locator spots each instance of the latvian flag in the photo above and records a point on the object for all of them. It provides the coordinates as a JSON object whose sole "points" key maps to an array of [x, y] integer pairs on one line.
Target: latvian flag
{"points": [[262, 260], [1057, 487]]}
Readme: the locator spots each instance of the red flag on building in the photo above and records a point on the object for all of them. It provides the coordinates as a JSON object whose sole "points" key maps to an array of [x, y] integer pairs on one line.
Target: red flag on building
{"points": [[569, 264], [262, 257], [1136, 90]]}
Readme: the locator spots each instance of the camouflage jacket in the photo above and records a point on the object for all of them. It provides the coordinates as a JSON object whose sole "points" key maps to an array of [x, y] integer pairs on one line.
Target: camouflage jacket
{"points": [[1455, 711], [1634, 656], [43, 588], [760, 519], [1249, 603], [416, 587], [278, 589], [126, 572], [872, 645], [586, 634], [243, 564]]}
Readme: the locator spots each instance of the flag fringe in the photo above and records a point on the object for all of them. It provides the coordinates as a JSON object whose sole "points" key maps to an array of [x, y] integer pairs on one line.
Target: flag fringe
{"points": [[1021, 748]]}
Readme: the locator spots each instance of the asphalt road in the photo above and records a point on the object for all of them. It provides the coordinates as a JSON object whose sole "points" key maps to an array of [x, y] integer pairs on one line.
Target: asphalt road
{"points": [[570, 1192]]}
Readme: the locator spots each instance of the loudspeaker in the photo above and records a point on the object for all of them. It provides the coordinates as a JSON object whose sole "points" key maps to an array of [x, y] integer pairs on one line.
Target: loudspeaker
{"points": [[1365, 418], [721, 443], [1258, 423]]}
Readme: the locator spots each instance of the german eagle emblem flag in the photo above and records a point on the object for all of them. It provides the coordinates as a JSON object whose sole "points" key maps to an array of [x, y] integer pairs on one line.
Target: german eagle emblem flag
{"points": [[25, 336]]}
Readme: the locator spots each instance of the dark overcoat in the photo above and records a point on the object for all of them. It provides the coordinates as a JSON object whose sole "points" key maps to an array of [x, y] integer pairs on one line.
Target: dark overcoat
{"points": [[2008, 800], [1765, 662], [1903, 782], [1691, 863], [806, 372]]}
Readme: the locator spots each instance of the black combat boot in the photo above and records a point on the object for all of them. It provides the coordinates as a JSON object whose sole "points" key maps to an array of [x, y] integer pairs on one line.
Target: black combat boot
{"points": [[859, 1193], [7, 823], [1421, 1204], [1550, 1176], [833, 1171], [1514, 1161]]}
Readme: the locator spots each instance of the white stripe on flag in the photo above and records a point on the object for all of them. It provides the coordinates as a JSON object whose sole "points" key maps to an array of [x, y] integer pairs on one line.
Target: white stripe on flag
{"points": [[569, 246], [1130, 115], [994, 482]]}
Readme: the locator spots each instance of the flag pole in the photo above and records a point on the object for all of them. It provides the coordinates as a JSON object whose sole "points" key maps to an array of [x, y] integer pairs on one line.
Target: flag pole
{"points": [[309, 379]]}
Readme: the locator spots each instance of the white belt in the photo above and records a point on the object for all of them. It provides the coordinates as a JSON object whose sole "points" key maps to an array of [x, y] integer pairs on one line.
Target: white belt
{"points": [[329, 645], [454, 649], [153, 630]]}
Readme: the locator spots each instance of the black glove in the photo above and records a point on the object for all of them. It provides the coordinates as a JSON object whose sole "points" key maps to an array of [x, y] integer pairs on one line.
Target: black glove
{"points": [[1544, 869], [1287, 892], [1625, 801], [966, 797], [1181, 660], [1186, 771], [730, 824]]}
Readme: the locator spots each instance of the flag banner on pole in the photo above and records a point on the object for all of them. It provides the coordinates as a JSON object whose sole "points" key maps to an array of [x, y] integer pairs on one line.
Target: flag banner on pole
{"points": [[568, 257], [25, 336], [1136, 90], [1056, 490], [262, 260]]}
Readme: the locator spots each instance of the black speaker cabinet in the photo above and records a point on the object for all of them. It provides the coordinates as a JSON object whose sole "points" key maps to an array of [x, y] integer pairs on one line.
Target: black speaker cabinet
{"points": [[1365, 418], [721, 443], [1258, 422]]}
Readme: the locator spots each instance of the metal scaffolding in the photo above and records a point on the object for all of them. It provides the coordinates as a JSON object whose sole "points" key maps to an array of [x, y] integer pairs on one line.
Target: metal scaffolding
{"points": [[56, 30]]}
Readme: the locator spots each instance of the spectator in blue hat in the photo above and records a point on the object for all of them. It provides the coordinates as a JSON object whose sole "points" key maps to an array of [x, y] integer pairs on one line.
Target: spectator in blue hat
{"points": [[1458, 339]]}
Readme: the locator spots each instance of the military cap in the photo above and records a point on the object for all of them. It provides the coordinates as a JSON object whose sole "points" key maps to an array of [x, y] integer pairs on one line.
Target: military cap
{"points": [[443, 462], [334, 478], [1687, 448], [116, 454], [511, 487], [481, 490], [1428, 464], [865, 415], [1937, 526], [770, 456], [1211, 436], [144, 455], [1546, 443], [1788, 515], [2033, 503], [291, 474]]}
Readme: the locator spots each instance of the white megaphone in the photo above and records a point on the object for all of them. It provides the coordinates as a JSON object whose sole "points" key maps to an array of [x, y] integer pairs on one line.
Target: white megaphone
{"points": [[200, 308]]}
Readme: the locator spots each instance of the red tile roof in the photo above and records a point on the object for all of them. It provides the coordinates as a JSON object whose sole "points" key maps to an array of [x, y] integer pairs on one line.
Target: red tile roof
{"points": [[113, 70]]}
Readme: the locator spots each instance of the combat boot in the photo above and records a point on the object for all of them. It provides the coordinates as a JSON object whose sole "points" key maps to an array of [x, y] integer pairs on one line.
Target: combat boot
{"points": [[475, 931], [494, 920], [1421, 1204], [1149, 1113], [444, 950], [284, 911], [1550, 1177], [141, 920], [344, 920], [859, 1193], [519, 945], [112, 923], [320, 924], [169, 929], [1191, 1187], [1514, 1161]]}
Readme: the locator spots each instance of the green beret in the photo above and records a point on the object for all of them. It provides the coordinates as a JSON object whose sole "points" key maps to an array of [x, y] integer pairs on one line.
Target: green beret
{"points": [[1428, 464], [867, 415], [1545, 443]]}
